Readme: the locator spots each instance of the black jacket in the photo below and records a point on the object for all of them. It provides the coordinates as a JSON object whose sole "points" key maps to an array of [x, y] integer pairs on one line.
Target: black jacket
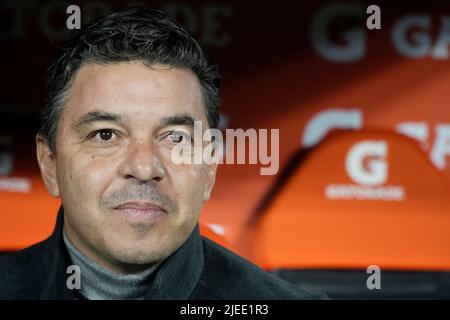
{"points": [[199, 269]]}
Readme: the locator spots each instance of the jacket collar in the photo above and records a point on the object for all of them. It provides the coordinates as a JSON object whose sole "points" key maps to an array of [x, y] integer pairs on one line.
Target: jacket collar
{"points": [[175, 278]]}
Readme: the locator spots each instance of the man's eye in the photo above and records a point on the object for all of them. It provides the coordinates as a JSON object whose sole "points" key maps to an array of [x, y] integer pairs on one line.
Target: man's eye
{"points": [[104, 135], [178, 137]]}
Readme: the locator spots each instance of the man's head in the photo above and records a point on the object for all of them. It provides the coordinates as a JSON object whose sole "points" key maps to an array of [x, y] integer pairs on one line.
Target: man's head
{"points": [[121, 96]]}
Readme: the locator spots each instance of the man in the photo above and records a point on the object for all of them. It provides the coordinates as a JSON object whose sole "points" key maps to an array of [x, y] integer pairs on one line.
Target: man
{"points": [[123, 94]]}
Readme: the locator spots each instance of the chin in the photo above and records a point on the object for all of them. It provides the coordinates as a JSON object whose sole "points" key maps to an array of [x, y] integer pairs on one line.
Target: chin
{"points": [[139, 253]]}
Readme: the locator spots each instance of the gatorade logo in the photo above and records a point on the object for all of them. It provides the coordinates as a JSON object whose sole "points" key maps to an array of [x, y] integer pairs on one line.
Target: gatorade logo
{"points": [[367, 166], [366, 163]]}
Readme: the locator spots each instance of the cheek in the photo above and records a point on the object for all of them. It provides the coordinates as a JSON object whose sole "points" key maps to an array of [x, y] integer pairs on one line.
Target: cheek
{"points": [[85, 178], [189, 183]]}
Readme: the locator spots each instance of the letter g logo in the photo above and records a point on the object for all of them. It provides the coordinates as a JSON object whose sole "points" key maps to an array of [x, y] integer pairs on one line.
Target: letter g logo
{"points": [[366, 162]]}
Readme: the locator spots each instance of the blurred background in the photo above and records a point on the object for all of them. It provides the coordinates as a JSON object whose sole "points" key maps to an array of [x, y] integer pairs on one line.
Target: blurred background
{"points": [[364, 119]]}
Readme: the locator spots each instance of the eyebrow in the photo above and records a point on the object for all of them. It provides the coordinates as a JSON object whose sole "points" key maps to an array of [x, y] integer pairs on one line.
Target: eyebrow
{"points": [[100, 116], [97, 116], [183, 119]]}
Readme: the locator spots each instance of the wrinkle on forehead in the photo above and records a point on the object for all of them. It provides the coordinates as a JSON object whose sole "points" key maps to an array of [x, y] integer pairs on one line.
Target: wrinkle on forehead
{"points": [[133, 88], [135, 78]]}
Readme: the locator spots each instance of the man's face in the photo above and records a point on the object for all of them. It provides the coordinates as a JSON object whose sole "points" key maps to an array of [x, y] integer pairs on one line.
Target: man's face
{"points": [[127, 205]]}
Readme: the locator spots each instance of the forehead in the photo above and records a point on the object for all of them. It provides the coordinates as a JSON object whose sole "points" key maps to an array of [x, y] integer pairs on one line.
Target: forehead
{"points": [[137, 91]]}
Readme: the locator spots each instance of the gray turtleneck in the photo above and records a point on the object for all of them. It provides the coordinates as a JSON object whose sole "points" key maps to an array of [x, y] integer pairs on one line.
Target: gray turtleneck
{"points": [[98, 283]]}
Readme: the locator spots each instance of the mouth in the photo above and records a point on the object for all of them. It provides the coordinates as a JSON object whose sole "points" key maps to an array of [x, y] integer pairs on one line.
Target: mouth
{"points": [[140, 210]]}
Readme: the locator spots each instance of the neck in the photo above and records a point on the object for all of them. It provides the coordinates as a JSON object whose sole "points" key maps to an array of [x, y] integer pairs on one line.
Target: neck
{"points": [[99, 283]]}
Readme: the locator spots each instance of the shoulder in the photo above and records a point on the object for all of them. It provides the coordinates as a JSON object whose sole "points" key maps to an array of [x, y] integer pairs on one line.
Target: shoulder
{"points": [[22, 272], [229, 276]]}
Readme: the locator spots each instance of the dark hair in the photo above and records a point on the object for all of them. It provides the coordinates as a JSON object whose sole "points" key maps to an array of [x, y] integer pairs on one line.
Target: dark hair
{"points": [[137, 33]]}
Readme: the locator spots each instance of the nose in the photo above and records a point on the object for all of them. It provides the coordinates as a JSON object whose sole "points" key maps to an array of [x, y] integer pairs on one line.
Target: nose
{"points": [[142, 163]]}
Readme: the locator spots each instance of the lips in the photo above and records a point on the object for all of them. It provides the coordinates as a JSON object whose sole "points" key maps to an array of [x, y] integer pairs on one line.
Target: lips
{"points": [[141, 211], [139, 206]]}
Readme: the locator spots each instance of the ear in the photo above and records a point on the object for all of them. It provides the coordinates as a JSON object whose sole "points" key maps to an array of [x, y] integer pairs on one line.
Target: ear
{"points": [[47, 165], [211, 178]]}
